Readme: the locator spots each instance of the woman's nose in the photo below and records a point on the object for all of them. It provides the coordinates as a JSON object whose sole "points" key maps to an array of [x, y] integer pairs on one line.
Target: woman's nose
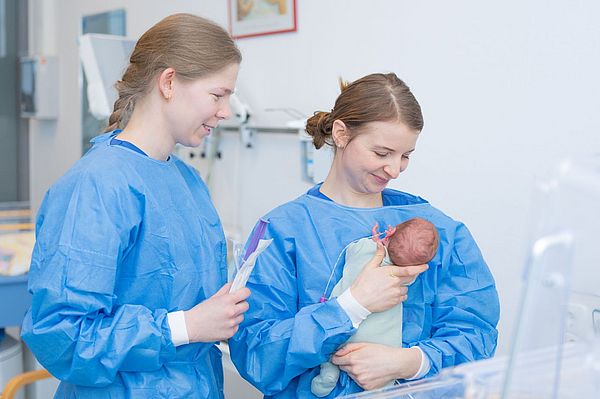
{"points": [[393, 169], [224, 111]]}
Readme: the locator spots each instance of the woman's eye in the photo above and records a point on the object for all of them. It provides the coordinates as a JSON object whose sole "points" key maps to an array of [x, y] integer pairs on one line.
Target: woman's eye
{"points": [[216, 96], [405, 156], [382, 154]]}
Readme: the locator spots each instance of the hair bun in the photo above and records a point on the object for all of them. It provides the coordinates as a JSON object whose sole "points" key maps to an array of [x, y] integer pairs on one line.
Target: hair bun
{"points": [[318, 127]]}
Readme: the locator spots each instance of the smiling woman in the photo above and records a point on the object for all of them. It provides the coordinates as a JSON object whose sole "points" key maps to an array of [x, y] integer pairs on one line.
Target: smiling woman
{"points": [[293, 325], [177, 97], [129, 268], [193, 108], [367, 165], [373, 129]]}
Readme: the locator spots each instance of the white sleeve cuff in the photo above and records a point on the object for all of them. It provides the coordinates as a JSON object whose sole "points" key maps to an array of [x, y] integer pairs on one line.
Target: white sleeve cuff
{"points": [[424, 368], [356, 312], [178, 328]]}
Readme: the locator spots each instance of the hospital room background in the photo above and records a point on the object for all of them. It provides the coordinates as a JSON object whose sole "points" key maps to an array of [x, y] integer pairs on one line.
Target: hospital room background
{"points": [[509, 89]]}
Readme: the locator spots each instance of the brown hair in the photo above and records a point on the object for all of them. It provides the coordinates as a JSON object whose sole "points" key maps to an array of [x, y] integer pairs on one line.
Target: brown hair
{"points": [[373, 98], [194, 46], [415, 242]]}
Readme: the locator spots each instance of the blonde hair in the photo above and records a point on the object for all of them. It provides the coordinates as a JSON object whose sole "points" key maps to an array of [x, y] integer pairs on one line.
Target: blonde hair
{"points": [[375, 97], [194, 46]]}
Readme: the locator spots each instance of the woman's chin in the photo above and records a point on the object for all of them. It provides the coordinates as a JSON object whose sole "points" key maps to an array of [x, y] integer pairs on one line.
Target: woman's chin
{"points": [[195, 141]]}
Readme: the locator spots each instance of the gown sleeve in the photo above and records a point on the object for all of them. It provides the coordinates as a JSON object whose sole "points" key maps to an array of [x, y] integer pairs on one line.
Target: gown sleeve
{"points": [[75, 327], [466, 309], [278, 341]]}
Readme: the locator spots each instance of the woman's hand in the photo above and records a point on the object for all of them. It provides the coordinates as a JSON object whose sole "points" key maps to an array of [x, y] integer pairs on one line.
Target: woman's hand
{"points": [[379, 288], [218, 317], [373, 366]]}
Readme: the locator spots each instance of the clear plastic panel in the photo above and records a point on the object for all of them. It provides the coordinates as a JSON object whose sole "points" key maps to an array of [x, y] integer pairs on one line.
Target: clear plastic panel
{"points": [[555, 350], [562, 290]]}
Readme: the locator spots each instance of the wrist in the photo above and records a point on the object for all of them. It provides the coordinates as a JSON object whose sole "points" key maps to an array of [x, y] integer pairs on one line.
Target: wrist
{"points": [[413, 363], [355, 311], [186, 318], [358, 299]]}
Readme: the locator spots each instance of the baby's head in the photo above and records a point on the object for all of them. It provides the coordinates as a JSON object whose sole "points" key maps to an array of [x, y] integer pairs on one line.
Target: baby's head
{"points": [[414, 242]]}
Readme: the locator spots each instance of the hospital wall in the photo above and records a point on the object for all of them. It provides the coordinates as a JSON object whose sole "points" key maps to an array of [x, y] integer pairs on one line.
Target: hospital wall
{"points": [[508, 88]]}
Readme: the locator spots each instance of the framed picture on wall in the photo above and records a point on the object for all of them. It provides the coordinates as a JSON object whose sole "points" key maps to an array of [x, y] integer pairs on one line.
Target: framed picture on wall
{"points": [[249, 18]]}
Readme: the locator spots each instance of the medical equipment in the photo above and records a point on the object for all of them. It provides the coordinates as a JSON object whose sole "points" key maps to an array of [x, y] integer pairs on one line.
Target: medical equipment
{"points": [[485, 379], [38, 87], [104, 59], [255, 247], [258, 234], [243, 273], [553, 353], [315, 163], [241, 113]]}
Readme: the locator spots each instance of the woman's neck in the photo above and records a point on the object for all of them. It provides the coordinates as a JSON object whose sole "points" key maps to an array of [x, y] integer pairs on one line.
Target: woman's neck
{"points": [[148, 133], [341, 192]]}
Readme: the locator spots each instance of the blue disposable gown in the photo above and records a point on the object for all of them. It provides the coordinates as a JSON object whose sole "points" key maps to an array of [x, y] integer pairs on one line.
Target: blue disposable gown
{"points": [[122, 239], [451, 312]]}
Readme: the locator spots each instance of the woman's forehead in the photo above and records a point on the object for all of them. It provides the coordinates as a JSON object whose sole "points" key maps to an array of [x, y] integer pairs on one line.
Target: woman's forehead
{"points": [[387, 134]]}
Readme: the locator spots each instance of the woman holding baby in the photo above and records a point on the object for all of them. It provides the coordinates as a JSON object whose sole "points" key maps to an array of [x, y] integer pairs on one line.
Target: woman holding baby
{"points": [[450, 305]]}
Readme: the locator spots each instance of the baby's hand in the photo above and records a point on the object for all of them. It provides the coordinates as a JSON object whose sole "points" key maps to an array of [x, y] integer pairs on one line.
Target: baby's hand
{"points": [[377, 236], [389, 232], [375, 231]]}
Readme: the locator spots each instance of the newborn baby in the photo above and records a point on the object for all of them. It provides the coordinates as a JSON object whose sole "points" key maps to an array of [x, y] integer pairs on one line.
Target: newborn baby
{"points": [[413, 242]]}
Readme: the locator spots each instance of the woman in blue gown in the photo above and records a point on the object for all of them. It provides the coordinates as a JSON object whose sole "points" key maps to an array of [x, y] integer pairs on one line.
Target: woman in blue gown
{"points": [[450, 305], [128, 273]]}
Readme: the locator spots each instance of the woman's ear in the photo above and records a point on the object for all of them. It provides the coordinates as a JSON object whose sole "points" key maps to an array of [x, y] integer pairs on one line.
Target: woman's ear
{"points": [[165, 83], [340, 134]]}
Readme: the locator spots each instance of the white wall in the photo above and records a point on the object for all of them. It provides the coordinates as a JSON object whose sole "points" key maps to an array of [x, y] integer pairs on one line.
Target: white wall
{"points": [[507, 88]]}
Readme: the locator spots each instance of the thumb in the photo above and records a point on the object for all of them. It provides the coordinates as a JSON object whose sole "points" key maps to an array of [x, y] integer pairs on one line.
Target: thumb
{"points": [[223, 290], [377, 258]]}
